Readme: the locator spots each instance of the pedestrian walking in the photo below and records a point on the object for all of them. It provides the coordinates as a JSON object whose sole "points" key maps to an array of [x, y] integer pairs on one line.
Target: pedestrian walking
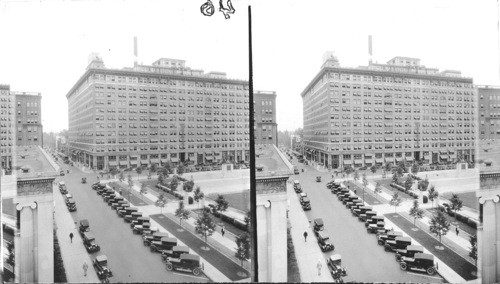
{"points": [[456, 230], [71, 237], [319, 265], [85, 267], [222, 231], [305, 236]]}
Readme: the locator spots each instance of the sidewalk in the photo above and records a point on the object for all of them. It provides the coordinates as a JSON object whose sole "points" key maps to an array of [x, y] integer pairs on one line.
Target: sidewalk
{"points": [[307, 253], [73, 254]]}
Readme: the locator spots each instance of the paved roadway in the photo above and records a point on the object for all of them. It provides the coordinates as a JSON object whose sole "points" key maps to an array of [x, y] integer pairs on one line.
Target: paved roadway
{"points": [[363, 258], [128, 258]]}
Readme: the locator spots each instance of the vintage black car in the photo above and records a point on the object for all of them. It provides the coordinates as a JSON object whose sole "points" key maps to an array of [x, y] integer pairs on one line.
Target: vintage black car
{"points": [[186, 262], [70, 203], [139, 221], [318, 225], [133, 216], [107, 196], [120, 205], [106, 192], [363, 217], [84, 226], [420, 262], [349, 198], [334, 263], [361, 210], [355, 205], [302, 195], [139, 228], [61, 173], [324, 241], [375, 228], [156, 236], [62, 187], [397, 243], [374, 220], [115, 199], [127, 211], [318, 179], [175, 252], [343, 195], [342, 190], [332, 184], [164, 244], [390, 235], [84, 180], [296, 186], [306, 203], [410, 251], [101, 267], [98, 185], [89, 242]]}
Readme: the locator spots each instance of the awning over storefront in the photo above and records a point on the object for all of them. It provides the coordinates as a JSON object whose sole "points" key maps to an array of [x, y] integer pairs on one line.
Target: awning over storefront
{"points": [[399, 159], [122, 163], [379, 160], [174, 160], [389, 159], [444, 157], [163, 160], [409, 158], [443, 152], [369, 161], [358, 161], [217, 154], [368, 154], [156, 161], [144, 162], [133, 162], [347, 162], [208, 157]]}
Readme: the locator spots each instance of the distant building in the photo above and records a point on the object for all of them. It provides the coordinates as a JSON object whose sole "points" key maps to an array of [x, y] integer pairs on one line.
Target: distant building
{"points": [[266, 128], [28, 119], [7, 126], [386, 113], [489, 112], [164, 112]]}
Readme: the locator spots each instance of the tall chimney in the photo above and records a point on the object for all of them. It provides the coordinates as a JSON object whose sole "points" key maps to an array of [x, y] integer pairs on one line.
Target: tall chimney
{"points": [[370, 52], [135, 50]]}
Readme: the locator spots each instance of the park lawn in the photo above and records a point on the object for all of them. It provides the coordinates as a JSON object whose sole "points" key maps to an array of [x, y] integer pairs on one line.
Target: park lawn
{"points": [[237, 200], [469, 199], [387, 184]]}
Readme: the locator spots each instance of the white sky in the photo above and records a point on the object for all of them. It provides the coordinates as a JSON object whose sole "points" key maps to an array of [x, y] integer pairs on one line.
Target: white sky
{"points": [[44, 45], [290, 38]]}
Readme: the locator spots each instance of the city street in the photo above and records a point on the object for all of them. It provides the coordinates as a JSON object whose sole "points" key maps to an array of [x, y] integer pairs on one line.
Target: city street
{"points": [[128, 258], [363, 258]]}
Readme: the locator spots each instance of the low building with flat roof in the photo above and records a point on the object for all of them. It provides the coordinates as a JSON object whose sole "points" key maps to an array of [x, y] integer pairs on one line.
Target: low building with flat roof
{"points": [[272, 173]]}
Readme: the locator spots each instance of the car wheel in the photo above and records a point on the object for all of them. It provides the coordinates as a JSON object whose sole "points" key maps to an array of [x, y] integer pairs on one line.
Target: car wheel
{"points": [[398, 257], [387, 248], [152, 248], [170, 267], [380, 242], [197, 271], [403, 266], [431, 271]]}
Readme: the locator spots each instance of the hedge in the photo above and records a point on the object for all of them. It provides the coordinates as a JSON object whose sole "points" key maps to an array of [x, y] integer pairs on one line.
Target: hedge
{"points": [[168, 190], [190, 200], [237, 223], [426, 199], [403, 189]]}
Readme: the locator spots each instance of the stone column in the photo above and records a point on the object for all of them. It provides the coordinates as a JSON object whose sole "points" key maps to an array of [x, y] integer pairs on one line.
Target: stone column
{"points": [[488, 241], [26, 259]]}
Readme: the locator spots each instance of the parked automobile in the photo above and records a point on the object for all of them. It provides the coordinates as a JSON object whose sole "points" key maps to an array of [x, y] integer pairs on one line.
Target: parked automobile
{"points": [[420, 262], [342, 190], [361, 210], [108, 196], [296, 186], [127, 211], [101, 267], [62, 187], [61, 173], [318, 179], [70, 203], [164, 244], [375, 227], [302, 196], [334, 263], [133, 216], [89, 242], [67, 197], [84, 226], [296, 171], [114, 199], [139, 228], [186, 262], [156, 236], [391, 235], [410, 251], [318, 224], [353, 203], [324, 241], [356, 205], [366, 215], [84, 180], [306, 203], [351, 197], [175, 252], [397, 243], [374, 220], [62, 184], [139, 221], [120, 205]]}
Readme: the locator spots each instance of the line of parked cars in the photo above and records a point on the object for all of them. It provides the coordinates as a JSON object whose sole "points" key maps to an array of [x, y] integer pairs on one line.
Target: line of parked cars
{"points": [[175, 257], [409, 256], [100, 262], [68, 198]]}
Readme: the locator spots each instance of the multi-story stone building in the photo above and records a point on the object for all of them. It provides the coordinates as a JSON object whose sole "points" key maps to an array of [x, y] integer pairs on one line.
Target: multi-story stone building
{"points": [[390, 112], [29, 129], [155, 114], [7, 126], [489, 112], [266, 128]]}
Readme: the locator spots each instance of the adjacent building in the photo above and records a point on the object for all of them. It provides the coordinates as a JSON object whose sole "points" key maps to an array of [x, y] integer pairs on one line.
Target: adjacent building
{"points": [[7, 126], [391, 112], [266, 128], [29, 131], [164, 112], [489, 112]]}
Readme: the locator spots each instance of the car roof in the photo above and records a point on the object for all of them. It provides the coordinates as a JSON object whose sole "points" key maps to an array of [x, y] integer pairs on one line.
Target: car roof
{"points": [[160, 234], [403, 239], [181, 248], [84, 222], [101, 257], [318, 221], [424, 256], [70, 200], [136, 213], [190, 256], [324, 234], [305, 199], [296, 181], [89, 235], [335, 257], [143, 218], [378, 217], [414, 247], [168, 240], [61, 182], [303, 194], [68, 195], [371, 212]]}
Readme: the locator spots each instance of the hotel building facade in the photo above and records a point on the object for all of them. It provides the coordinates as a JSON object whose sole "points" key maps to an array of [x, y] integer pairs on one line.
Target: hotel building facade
{"points": [[165, 112], [390, 112], [489, 112], [266, 128]]}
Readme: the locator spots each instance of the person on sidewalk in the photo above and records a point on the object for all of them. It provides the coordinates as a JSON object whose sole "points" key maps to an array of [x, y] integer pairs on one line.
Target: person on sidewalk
{"points": [[319, 265], [71, 237], [85, 267], [222, 231], [456, 230], [305, 236]]}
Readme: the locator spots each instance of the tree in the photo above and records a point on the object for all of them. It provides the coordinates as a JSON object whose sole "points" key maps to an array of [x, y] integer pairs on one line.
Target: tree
{"points": [[365, 183], [373, 169], [114, 171], [143, 190], [432, 194], [161, 202], [139, 171], [378, 188], [154, 168], [205, 225], [395, 177], [414, 168], [188, 185], [161, 178], [384, 174], [122, 177], [473, 248], [439, 225], [242, 247], [408, 183], [423, 184], [167, 168], [221, 203], [181, 169], [388, 167], [356, 175], [416, 212], [348, 170], [395, 201], [174, 183], [130, 181], [149, 175], [182, 212], [456, 203], [198, 195]]}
